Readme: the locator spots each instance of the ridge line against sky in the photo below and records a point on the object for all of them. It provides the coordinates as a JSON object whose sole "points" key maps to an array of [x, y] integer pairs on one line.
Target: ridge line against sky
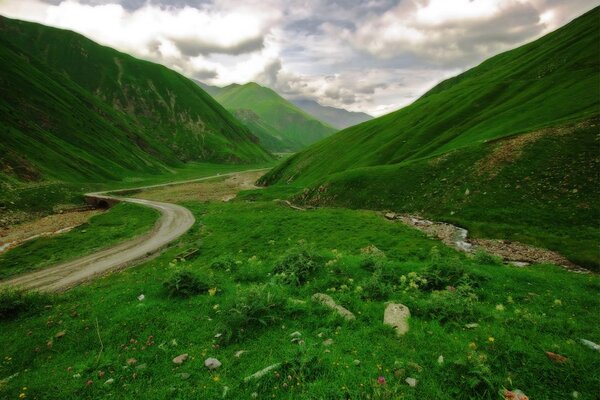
{"points": [[373, 56]]}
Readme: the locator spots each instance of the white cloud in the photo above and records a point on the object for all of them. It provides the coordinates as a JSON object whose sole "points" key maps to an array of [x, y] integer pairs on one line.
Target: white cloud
{"points": [[372, 56]]}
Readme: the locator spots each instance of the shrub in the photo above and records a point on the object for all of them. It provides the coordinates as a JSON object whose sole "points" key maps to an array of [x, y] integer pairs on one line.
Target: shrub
{"points": [[440, 277], [224, 263], [297, 267], [14, 303], [483, 257], [447, 305], [185, 284], [255, 307], [376, 288]]}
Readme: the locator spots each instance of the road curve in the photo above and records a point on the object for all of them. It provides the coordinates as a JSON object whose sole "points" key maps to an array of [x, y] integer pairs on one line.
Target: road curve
{"points": [[174, 221]]}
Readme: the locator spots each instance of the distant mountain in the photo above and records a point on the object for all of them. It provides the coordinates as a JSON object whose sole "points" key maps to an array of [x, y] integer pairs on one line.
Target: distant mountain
{"points": [[280, 125], [508, 149], [74, 110], [336, 117]]}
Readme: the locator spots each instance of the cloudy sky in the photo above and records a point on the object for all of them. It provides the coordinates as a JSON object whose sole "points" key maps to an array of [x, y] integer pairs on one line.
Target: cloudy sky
{"points": [[363, 55]]}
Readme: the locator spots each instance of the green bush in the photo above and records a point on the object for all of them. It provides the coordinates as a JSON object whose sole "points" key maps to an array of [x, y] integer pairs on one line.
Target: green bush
{"points": [[484, 258], [297, 267], [14, 303], [185, 284], [254, 308], [456, 305], [376, 288], [441, 277], [224, 263]]}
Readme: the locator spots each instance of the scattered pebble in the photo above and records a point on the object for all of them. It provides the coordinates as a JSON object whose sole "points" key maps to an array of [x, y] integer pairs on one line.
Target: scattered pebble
{"points": [[131, 361], [180, 358], [141, 297], [239, 353], [472, 325], [440, 360], [109, 381], [60, 334], [212, 363], [295, 334], [356, 362], [328, 342], [261, 373], [412, 382], [590, 344], [183, 375]]}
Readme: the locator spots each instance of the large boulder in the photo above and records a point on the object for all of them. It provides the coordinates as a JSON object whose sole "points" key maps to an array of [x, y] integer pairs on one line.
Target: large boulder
{"points": [[397, 315]]}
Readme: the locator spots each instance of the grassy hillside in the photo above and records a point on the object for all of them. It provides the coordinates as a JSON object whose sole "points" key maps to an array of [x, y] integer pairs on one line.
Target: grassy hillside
{"points": [[279, 124], [528, 115], [76, 111], [336, 117], [116, 346]]}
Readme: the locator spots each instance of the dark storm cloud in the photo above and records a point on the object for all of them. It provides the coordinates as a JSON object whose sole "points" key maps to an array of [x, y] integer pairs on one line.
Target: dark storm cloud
{"points": [[194, 46]]}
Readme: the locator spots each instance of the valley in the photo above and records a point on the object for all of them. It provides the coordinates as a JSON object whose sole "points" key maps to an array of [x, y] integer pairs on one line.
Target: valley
{"points": [[163, 237]]}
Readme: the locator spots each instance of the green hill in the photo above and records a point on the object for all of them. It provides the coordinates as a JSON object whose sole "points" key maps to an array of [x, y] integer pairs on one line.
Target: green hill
{"points": [[279, 125], [77, 111], [336, 117], [518, 131]]}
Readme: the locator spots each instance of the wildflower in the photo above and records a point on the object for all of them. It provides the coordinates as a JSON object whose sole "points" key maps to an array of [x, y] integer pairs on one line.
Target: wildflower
{"points": [[381, 380], [22, 395], [510, 300], [491, 339], [212, 291], [472, 345], [499, 307], [403, 279], [216, 378]]}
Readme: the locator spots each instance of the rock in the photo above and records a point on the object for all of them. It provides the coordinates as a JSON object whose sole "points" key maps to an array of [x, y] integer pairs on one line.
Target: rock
{"points": [[77, 376], [412, 382], [390, 216], [261, 373], [467, 192], [131, 361], [557, 358], [397, 315], [212, 363], [515, 395], [329, 302], [472, 325], [590, 344], [356, 362], [180, 358], [183, 375], [371, 250], [239, 353], [141, 366], [295, 334], [440, 360], [109, 381], [141, 297], [60, 334], [328, 342]]}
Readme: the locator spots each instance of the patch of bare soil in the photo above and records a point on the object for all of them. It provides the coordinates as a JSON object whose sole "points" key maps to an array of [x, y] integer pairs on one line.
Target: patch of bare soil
{"points": [[219, 189], [12, 236], [507, 150]]}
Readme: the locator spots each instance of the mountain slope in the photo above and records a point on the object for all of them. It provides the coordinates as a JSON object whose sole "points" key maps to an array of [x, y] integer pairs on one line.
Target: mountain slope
{"points": [[502, 116], [279, 124], [336, 117], [74, 110]]}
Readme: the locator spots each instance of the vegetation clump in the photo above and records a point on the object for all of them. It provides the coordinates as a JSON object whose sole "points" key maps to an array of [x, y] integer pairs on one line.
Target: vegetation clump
{"points": [[297, 267], [184, 284], [15, 303]]}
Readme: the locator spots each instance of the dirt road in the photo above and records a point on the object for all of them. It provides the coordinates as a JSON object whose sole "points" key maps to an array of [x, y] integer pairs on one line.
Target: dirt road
{"points": [[174, 221]]}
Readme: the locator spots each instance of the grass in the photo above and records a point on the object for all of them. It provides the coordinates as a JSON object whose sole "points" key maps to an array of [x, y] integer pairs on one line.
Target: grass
{"points": [[121, 222], [76, 111], [502, 149], [521, 312]]}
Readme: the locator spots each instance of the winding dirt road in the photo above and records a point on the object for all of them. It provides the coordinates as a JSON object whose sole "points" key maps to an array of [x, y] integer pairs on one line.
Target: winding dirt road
{"points": [[174, 221]]}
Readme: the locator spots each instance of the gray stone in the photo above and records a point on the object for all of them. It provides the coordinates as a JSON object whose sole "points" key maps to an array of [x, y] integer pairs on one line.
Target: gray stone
{"points": [[327, 301], [212, 363], [261, 373], [397, 315], [412, 382], [180, 358]]}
